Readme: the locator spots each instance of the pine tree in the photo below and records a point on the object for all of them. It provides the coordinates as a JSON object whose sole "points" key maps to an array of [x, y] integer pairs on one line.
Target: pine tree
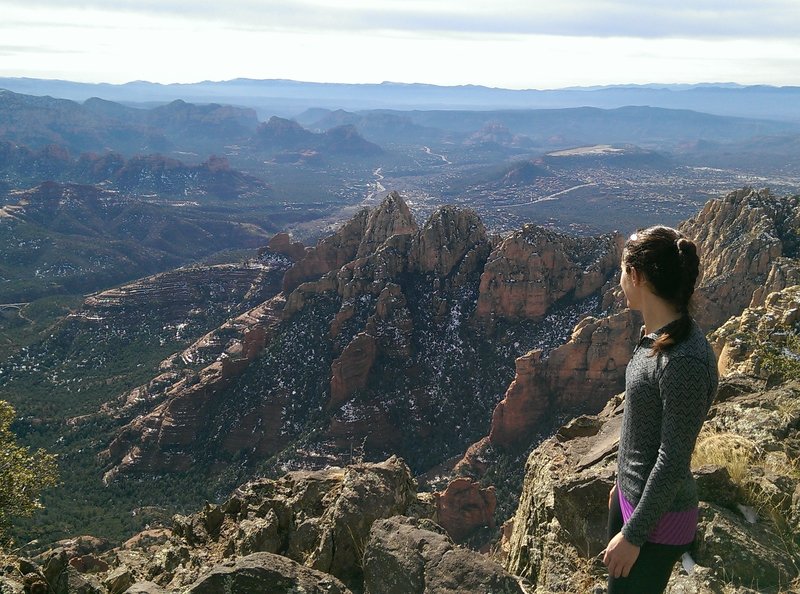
{"points": [[23, 475]]}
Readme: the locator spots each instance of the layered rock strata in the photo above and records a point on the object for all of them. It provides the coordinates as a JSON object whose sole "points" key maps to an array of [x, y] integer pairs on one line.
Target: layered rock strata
{"points": [[163, 438], [398, 303]]}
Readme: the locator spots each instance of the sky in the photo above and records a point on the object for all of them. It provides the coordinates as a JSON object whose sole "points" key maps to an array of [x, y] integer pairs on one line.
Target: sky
{"points": [[518, 44]]}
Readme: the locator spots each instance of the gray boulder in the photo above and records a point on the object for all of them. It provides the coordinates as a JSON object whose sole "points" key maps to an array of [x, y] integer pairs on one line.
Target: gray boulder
{"points": [[266, 573], [408, 556], [747, 554]]}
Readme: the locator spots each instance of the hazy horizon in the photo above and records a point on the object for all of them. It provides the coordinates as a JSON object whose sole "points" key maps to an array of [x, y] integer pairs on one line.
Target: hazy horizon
{"points": [[653, 83], [512, 44]]}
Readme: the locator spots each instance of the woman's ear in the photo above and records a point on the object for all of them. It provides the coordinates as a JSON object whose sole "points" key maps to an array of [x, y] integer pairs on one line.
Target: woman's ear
{"points": [[636, 277]]}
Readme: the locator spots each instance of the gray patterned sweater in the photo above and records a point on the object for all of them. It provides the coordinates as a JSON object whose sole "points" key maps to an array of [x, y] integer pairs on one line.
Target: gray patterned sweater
{"points": [[667, 397]]}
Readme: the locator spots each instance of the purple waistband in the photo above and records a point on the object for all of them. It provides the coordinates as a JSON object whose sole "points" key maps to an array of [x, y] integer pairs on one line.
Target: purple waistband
{"points": [[673, 528]]}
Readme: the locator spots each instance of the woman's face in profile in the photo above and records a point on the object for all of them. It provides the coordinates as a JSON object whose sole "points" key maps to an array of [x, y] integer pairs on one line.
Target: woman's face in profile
{"points": [[627, 284]]}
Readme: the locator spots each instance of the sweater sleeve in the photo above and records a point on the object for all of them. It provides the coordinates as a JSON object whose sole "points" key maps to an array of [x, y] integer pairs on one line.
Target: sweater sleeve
{"points": [[684, 387]]}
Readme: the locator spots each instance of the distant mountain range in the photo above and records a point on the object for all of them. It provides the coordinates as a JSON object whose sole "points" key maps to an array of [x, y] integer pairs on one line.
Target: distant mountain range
{"points": [[188, 129], [289, 97], [213, 179], [571, 127], [279, 134]]}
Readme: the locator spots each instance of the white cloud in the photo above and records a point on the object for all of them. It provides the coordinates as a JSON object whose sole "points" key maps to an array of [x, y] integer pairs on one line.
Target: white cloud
{"points": [[597, 18]]}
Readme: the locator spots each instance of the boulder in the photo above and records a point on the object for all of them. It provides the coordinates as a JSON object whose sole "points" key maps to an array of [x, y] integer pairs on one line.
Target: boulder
{"points": [[145, 588], [118, 580], [464, 506], [265, 573], [409, 556], [748, 554]]}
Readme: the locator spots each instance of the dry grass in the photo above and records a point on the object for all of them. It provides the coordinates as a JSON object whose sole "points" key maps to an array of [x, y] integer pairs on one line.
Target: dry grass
{"points": [[734, 452]]}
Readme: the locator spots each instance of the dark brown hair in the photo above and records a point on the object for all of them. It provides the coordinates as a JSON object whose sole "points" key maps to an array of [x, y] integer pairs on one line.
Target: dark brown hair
{"points": [[670, 263]]}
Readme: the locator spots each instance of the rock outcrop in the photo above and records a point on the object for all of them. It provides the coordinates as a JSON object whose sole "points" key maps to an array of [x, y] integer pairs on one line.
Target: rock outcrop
{"points": [[265, 573], [408, 556], [329, 254], [753, 342], [392, 217], [281, 243], [400, 346], [186, 292], [741, 237], [748, 242], [533, 268], [319, 520], [451, 238], [464, 506], [164, 437], [576, 376], [340, 530]]}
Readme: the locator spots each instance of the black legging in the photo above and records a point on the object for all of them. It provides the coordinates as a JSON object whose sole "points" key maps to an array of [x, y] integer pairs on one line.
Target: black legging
{"points": [[650, 573]]}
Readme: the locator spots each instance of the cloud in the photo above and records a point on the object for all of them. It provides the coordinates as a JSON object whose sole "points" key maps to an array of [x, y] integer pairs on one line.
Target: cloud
{"points": [[699, 19]]}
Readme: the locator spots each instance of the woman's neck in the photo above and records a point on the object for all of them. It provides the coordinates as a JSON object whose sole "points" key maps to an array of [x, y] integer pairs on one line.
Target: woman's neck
{"points": [[658, 313]]}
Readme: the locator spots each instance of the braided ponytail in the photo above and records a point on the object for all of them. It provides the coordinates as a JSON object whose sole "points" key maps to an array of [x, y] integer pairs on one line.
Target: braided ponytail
{"points": [[670, 263]]}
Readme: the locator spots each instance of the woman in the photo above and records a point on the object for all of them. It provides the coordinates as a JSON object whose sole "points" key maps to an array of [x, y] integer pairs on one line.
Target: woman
{"points": [[670, 383]]}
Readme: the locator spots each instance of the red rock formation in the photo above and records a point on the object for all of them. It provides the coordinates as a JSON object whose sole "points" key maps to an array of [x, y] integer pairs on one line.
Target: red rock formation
{"points": [[464, 506], [533, 268], [331, 253], [359, 237], [740, 238], [281, 243], [577, 375], [446, 240], [392, 217], [346, 312], [161, 439], [474, 460], [351, 370]]}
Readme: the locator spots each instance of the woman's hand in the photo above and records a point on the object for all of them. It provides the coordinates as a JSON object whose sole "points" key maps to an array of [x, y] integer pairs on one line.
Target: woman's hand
{"points": [[620, 556], [611, 495]]}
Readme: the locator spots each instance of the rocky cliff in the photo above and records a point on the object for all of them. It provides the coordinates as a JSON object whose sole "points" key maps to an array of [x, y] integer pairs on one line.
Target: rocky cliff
{"points": [[749, 247], [578, 375], [380, 347], [761, 341], [533, 268], [743, 464], [358, 529], [743, 237]]}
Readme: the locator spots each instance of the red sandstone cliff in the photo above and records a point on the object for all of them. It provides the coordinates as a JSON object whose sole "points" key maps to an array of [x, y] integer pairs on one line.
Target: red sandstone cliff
{"points": [[533, 268], [743, 237]]}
